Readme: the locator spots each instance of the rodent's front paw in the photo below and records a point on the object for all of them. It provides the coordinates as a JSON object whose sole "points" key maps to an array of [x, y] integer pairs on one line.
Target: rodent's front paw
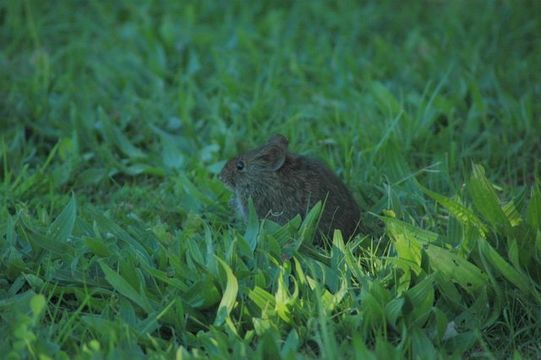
{"points": [[272, 213]]}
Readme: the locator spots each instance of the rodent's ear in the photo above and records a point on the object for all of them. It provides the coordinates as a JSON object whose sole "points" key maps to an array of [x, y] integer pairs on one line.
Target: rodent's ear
{"points": [[279, 140], [272, 156]]}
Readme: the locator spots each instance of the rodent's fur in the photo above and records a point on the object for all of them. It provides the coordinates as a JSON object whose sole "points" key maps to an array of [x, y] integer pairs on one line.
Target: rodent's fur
{"points": [[282, 185]]}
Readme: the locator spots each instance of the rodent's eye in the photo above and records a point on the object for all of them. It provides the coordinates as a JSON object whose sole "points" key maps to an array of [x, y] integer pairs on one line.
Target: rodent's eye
{"points": [[240, 165]]}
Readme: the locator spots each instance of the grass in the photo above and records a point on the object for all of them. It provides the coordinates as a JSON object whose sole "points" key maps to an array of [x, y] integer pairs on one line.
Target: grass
{"points": [[116, 239]]}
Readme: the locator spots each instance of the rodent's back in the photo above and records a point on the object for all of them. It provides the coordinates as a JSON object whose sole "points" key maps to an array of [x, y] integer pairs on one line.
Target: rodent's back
{"points": [[306, 181]]}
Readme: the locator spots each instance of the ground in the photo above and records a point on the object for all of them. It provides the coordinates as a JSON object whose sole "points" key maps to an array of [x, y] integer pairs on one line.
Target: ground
{"points": [[116, 236]]}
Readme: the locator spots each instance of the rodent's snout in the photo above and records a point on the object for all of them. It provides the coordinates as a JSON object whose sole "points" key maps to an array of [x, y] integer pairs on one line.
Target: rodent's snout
{"points": [[225, 180], [222, 175]]}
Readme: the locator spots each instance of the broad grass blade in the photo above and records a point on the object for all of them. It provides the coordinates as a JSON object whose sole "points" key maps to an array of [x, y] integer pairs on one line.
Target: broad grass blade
{"points": [[252, 227], [459, 211], [229, 296], [456, 268], [124, 288], [309, 225], [533, 214], [61, 229], [485, 199], [507, 270]]}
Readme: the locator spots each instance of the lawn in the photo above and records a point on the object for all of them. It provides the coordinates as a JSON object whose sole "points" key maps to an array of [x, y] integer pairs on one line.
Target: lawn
{"points": [[117, 239]]}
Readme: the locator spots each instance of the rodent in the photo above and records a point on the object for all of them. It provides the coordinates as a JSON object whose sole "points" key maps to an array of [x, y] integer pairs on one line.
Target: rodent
{"points": [[283, 184]]}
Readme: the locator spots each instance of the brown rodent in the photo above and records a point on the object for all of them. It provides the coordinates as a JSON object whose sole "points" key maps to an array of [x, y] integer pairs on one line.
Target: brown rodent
{"points": [[282, 185]]}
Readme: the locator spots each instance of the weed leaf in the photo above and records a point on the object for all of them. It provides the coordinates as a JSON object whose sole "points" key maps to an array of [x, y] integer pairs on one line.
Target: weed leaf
{"points": [[229, 296]]}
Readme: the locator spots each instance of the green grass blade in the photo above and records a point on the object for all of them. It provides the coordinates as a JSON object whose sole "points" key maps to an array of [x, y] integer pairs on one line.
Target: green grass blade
{"points": [[202, 295], [512, 214], [97, 246], [229, 296], [397, 227], [61, 229], [39, 241], [264, 300], [408, 241], [513, 275], [124, 288], [456, 268], [459, 211], [162, 276], [533, 214], [252, 226], [309, 225], [421, 298], [107, 225], [485, 199]]}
